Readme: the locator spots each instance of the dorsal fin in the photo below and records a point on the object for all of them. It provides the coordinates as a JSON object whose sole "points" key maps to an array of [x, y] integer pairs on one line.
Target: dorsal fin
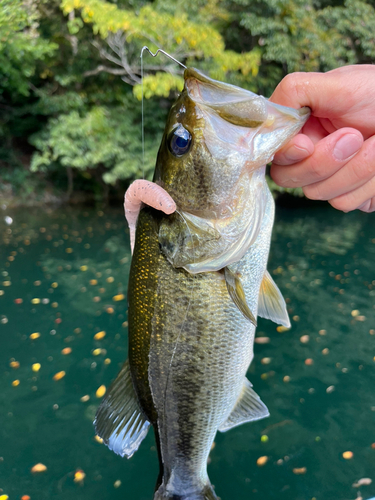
{"points": [[271, 303], [248, 407], [119, 420], [237, 294]]}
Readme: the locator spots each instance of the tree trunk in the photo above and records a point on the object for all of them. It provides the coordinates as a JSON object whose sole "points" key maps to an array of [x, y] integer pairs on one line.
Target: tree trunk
{"points": [[69, 192]]}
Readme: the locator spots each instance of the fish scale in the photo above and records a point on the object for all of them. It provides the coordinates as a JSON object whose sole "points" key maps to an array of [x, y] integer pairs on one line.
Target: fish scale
{"points": [[200, 349], [198, 280]]}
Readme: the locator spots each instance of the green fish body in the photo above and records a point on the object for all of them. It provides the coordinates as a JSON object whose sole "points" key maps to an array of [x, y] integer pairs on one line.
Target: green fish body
{"points": [[198, 280]]}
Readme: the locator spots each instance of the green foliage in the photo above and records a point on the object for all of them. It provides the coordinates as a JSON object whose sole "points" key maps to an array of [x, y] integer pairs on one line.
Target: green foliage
{"points": [[302, 35], [160, 84], [20, 45], [103, 141], [355, 21], [70, 71], [183, 31]]}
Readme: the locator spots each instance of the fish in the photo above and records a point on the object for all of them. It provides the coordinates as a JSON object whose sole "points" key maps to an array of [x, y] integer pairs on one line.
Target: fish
{"points": [[198, 280]]}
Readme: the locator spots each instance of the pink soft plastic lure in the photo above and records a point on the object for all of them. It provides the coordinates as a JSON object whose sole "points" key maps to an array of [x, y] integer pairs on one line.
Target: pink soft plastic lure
{"points": [[148, 193]]}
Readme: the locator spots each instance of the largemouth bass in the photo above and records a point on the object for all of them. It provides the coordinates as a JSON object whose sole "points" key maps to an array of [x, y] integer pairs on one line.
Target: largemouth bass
{"points": [[198, 280]]}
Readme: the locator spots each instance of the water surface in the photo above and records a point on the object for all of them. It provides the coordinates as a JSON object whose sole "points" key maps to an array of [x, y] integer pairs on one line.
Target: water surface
{"points": [[63, 275]]}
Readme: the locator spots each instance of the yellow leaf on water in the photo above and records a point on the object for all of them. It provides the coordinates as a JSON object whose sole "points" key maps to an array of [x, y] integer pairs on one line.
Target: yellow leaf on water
{"points": [[38, 468], [101, 391], [59, 375], [118, 297], [35, 335], [266, 361], [262, 461], [99, 335], [300, 470], [282, 329], [262, 340], [79, 476]]}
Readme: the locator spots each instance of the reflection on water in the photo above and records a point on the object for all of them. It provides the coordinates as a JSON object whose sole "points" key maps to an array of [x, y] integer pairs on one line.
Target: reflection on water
{"points": [[63, 275]]}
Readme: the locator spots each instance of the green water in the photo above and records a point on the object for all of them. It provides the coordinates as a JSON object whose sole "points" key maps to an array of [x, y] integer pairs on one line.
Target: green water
{"points": [[324, 263]]}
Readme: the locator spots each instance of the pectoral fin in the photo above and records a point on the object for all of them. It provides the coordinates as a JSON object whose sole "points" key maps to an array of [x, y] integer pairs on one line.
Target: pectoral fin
{"points": [[119, 420], [271, 303], [248, 407], [237, 294]]}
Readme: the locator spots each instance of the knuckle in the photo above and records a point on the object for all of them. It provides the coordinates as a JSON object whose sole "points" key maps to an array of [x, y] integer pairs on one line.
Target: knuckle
{"points": [[313, 192], [369, 155], [318, 168], [363, 168], [343, 203], [369, 206], [278, 177], [294, 85], [338, 204]]}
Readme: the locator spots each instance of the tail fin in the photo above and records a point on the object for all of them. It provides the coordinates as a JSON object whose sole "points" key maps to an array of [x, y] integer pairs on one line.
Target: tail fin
{"points": [[207, 493]]}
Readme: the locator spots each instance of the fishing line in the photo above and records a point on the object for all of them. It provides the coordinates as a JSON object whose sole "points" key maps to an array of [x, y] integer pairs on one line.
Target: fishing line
{"points": [[142, 106], [143, 124], [163, 52]]}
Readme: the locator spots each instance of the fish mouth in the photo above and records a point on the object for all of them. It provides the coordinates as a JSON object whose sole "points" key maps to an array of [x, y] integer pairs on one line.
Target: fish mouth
{"points": [[255, 124], [235, 105]]}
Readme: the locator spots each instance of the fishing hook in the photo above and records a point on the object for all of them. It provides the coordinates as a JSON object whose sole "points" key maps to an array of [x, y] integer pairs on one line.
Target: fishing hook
{"points": [[163, 52]]}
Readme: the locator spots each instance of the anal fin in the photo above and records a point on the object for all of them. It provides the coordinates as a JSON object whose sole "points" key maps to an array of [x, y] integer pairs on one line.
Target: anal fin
{"points": [[237, 294], [248, 408], [271, 303], [119, 420]]}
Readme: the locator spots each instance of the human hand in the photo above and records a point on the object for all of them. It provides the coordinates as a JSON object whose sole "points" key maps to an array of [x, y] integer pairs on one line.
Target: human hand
{"points": [[333, 158]]}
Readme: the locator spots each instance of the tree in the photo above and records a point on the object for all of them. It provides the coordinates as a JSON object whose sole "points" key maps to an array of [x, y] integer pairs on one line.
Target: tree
{"points": [[99, 137], [70, 70], [21, 46]]}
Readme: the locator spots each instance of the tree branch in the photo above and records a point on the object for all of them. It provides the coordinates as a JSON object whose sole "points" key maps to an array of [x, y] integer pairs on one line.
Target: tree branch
{"points": [[119, 55], [101, 68]]}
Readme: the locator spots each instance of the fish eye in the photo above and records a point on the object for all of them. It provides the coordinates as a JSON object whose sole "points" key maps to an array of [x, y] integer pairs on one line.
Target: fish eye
{"points": [[180, 141]]}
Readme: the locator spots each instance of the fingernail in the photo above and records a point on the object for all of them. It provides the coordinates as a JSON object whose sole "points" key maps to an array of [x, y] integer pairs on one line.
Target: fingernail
{"points": [[294, 154], [347, 146]]}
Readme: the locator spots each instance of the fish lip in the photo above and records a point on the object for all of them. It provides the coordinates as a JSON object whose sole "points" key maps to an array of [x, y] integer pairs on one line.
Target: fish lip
{"points": [[236, 105]]}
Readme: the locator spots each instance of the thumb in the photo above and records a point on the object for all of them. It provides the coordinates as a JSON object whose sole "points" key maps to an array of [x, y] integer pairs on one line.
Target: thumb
{"points": [[318, 91]]}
